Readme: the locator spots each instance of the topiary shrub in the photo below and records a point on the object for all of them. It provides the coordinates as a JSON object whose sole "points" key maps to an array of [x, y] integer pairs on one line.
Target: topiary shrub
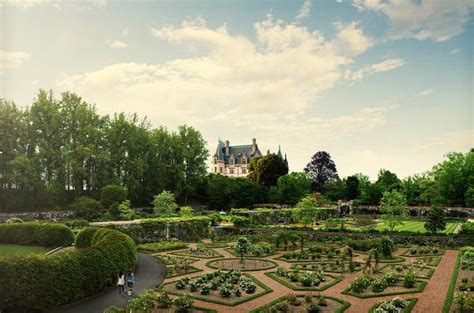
{"points": [[43, 234]]}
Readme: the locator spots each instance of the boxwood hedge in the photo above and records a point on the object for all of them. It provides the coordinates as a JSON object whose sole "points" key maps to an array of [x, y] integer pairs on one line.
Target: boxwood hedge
{"points": [[37, 283], [42, 234]]}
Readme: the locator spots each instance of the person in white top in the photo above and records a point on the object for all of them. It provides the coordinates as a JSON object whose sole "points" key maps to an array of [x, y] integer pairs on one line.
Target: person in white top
{"points": [[121, 283]]}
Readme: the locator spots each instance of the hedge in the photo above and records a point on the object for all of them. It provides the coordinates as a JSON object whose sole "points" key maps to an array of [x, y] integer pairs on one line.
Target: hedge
{"points": [[42, 234], [38, 283], [152, 230]]}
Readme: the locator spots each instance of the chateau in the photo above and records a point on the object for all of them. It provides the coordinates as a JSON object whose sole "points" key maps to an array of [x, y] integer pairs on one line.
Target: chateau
{"points": [[233, 160]]}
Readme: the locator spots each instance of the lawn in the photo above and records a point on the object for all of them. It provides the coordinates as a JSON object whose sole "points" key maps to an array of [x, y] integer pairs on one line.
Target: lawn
{"points": [[416, 226], [10, 250]]}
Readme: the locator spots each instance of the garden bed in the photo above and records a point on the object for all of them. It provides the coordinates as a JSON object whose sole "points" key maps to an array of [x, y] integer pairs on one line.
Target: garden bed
{"points": [[305, 280], [397, 289], [410, 304], [300, 304], [177, 266], [331, 267], [422, 252], [228, 288], [249, 264], [213, 245], [420, 271], [203, 253]]}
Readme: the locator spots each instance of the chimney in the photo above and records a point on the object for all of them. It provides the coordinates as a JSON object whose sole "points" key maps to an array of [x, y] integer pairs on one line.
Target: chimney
{"points": [[227, 147], [254, 145]]}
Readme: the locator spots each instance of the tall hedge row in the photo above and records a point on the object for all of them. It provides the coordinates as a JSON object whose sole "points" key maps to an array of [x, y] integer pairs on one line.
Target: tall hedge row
{"points": [[150, 230], [37, 283], [43, 234]]}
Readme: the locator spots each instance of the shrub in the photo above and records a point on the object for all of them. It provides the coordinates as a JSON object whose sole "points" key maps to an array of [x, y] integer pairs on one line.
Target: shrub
{"points": [[282, 307], [281, 271], [378, 285], [161, 246], [111, 196], [313, 308], [180, 284], [226, 291], [87, 207], [14, 220], [163, 300], [183, 304], [308, 298], [205, 289], [363, 244], [50, 281], [43, 234], [387, 246], [390, 278], [360, 284], [240, 221], [409, 279]]}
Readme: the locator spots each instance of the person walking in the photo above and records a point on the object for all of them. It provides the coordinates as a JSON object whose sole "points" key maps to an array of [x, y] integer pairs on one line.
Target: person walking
{"points": [[130, 281], [121, 283]]}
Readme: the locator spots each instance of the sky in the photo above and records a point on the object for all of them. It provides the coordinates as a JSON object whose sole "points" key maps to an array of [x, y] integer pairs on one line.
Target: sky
{"points": [[376, 83]]}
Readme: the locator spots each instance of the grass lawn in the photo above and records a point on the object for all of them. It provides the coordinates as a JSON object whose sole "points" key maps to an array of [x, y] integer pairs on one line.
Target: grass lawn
{"points": [[9, 250], [417, 226]]}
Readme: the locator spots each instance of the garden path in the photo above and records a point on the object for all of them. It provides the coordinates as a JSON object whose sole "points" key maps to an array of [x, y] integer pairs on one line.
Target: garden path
{"points": [[148, 274]]}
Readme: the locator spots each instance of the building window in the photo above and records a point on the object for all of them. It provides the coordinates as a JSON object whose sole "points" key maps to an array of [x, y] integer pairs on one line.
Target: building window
{"points": [[220, 169], [244, 161], [231, 170], [244, 170], [215, 169]]}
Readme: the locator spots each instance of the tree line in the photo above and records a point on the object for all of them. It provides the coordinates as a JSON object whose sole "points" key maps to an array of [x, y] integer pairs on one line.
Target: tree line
{"points": [[60, 148]]}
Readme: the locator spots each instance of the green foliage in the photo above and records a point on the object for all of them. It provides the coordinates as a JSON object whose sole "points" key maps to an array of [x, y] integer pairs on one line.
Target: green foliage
{"points": [[111, 196], [409, 279], [321, 168], [240, 221], [467, 229], [186, 211], [87, 207], [50, 281], [291, 188], [265, 170], [215, 218], [43, 234], [387, 246], [155, 247], [124, 210], [242, 247], [165, 203], [435, 220], [306, 211], [393, 206]]}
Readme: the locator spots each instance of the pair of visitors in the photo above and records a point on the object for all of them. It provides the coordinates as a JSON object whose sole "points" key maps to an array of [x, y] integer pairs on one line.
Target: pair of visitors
{"points": [[130, 279]]}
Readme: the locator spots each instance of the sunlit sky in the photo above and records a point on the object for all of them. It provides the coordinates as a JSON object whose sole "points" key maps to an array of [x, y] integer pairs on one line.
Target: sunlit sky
{"points": [[377, 84]]}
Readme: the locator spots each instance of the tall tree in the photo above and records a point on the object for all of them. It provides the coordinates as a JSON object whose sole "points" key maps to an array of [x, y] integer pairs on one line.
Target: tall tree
{"points": [[195, 155], [435, 220], [321, 168], [292, 187], [266, 170], [393, 206], [352, 187]]}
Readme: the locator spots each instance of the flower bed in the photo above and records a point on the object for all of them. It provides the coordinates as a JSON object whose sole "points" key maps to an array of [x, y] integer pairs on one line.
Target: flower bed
{"points": [[307, 256], [304, 280], [307, 303], [391, 283], [248, 264], [420, 271], [199, 252], [213, 245], [422, 251], [177, 266], [396, 305], [260, 249], [228, 288], [331, 267]]}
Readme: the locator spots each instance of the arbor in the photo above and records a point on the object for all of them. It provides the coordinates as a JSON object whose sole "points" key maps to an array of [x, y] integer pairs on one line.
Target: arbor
{"points": [[393, 206], [435, 220], [306, 211], [265, 170], [321, 168], [242, 247], [164, 203]]}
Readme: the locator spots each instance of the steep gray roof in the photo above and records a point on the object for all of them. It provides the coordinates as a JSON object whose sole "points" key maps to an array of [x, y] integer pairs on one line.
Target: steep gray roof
{"points": [[238, 152]]}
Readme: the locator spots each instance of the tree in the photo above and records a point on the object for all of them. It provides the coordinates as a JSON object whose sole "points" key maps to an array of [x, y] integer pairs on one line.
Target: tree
{"points": [[220, 192], [87, 207], [124, 211], [265, 170], [393, 206], [469, 197], [352, 187], [186, 211], [306, 211], [435, 220], [244, 193], [387, 246], [165, 203], [334, 189], [242, 247], [111, 196], [364, 222], [387, 181], [321, 168], [292, 187]]}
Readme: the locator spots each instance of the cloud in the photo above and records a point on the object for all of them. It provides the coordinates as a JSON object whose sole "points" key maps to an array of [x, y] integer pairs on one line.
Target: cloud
{"points": [[454, 51], [125, 32], [351, 39], [384, 66], [53, 3], [304, 11], [116, 44], [10, 60], [437, 20], [425, 92]]}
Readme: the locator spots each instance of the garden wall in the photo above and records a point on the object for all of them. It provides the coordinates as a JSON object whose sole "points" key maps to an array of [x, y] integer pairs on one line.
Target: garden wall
{"points": [[38, 283], [31, 216]]}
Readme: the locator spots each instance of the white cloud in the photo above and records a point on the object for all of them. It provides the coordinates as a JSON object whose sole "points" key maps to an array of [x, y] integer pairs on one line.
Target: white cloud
{"points": [[351, 39], [304, 11], [437, 20], [116, 44], [54, 3], [426, 92], [10, 60], [454, 51], [125, 32], [384, 66]]}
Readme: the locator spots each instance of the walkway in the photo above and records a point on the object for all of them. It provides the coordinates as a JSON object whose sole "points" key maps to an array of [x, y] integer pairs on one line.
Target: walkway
{"points": [[148, 274]]}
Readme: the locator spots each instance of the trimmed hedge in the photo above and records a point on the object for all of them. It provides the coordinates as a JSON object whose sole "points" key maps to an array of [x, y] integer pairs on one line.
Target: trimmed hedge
{"points": [[42, 234], [37, 283]]}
